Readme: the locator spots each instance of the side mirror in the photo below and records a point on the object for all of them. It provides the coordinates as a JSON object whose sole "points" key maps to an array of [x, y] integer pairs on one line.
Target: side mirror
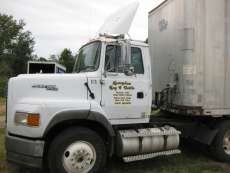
{"points": [[129, 70]]}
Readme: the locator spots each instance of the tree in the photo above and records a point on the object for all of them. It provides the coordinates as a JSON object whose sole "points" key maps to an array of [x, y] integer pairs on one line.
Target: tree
{"points": [[67, 59], [53, 58], [5, 69], [16, 44]]}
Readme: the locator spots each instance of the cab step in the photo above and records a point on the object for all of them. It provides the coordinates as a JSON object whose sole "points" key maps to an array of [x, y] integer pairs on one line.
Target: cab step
{"points": [[150, 156]]}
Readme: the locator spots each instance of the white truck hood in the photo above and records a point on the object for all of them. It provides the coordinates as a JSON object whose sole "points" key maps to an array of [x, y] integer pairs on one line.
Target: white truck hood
{"points": [[47, 86], [46, 94]]}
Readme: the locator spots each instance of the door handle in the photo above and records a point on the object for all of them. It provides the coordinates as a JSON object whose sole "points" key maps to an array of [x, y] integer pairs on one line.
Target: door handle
{"points": [[140, 95], [102, 82]]}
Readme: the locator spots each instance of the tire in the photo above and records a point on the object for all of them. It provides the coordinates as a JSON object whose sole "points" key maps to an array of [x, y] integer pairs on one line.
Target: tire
{"points": [[76, 150], [218, 147]]}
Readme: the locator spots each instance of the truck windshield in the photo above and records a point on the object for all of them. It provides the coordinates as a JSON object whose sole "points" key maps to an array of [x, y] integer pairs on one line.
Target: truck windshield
{"points": [[88, 58]]}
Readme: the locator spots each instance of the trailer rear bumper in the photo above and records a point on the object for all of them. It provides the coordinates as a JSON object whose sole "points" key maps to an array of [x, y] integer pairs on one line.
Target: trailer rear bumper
{"points": [[25, 152]]}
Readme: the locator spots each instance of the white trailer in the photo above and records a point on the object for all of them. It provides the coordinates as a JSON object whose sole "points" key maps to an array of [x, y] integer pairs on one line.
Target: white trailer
{"points": [[34, 67], [190, 49]]}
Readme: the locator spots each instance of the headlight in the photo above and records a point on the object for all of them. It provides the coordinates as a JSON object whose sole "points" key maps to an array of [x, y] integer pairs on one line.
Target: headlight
{"points": [[27, 119]]}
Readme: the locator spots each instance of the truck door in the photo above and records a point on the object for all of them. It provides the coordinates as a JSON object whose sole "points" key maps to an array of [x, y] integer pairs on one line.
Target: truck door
{"points": [[123, 96]]}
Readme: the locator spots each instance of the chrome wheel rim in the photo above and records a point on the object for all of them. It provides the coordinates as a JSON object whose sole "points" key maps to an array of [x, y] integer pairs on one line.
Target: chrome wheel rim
{"points": [[79, 157], [226, 142]]}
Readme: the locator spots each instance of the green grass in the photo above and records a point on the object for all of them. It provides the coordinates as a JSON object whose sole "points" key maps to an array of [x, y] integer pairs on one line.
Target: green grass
{"points": [[187, 162], [2, 152], [2, 106]]}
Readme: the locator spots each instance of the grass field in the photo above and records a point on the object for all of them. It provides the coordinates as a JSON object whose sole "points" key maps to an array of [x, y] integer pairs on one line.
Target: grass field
{"points": [[2, 106], [2, 152], [188, 162], [191, 161]]}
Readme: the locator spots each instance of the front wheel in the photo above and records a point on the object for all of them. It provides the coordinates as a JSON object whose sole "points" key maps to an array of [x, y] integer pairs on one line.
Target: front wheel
{"points": [[221, 145], [77, 150]]}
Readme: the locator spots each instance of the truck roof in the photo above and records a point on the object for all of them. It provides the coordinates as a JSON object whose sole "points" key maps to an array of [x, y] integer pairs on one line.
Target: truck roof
{"points": [[111, 39]]}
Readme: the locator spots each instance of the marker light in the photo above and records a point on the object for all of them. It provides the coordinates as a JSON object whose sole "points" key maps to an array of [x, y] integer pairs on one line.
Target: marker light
{"points": [[27, 119]]}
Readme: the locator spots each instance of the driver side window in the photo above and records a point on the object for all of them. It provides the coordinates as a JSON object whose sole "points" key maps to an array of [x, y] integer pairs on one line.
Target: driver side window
{"points": [[136, 60], [113, 59]]}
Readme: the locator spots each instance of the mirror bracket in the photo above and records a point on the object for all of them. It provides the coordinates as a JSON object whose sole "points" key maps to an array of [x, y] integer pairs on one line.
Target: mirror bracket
{"points": [[129, 70]]}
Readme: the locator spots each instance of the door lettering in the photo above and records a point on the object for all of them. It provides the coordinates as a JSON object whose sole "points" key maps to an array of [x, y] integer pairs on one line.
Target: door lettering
{"points": [[121, 92]]}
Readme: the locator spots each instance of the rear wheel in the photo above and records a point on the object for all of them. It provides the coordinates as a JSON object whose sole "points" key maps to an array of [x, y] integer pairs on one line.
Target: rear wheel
{"points": [[77, 150], [221, 145]]}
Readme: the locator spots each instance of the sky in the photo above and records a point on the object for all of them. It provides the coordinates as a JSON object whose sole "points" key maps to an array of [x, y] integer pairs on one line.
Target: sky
{"points": [[59, 24]]}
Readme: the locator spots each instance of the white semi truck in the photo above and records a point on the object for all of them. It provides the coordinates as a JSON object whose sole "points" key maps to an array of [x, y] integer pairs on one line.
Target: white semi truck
{"points": [[72, 123]]}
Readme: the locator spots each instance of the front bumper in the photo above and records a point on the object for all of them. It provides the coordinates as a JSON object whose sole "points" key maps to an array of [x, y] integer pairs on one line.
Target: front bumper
{"points": [[25, 152]]}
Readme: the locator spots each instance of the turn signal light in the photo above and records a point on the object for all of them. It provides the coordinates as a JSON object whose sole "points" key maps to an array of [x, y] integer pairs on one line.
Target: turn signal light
{"points": [[33, 119], [27, 119]]}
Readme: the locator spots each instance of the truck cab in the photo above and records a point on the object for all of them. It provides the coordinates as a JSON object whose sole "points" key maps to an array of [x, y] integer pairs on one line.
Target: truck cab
{"points": [[119, 78], [78, 120]]}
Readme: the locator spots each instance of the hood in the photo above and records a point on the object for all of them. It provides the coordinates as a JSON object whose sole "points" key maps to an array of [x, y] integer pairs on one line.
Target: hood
{"points": [[41, 87]]}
